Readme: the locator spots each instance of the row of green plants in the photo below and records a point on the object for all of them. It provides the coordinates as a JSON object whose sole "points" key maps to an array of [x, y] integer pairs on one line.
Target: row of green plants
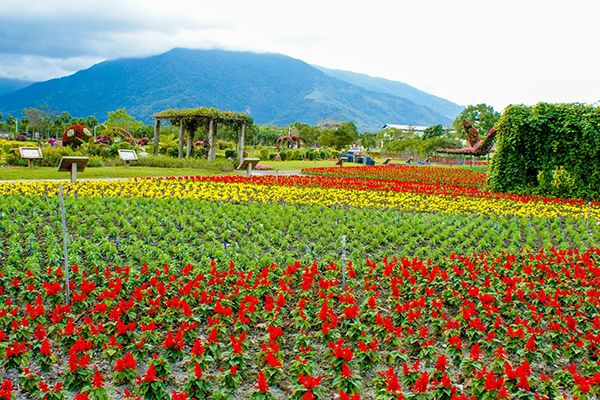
{"points": [[519, 325], [156, 231]]}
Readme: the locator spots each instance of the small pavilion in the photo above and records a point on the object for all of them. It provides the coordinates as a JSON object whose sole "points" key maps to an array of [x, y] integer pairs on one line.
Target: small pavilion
{"points": [[190, 119]]}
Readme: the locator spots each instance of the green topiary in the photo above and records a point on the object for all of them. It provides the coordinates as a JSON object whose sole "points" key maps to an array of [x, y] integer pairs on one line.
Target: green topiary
{"points": [[264, 155], [548, 150]]}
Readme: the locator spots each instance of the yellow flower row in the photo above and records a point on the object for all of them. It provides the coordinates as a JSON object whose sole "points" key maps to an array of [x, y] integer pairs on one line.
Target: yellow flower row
{"points": [[242, 193]]}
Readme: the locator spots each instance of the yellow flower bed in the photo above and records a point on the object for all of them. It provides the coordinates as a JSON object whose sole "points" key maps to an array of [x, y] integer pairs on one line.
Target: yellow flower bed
{"points": [[243, 192]]}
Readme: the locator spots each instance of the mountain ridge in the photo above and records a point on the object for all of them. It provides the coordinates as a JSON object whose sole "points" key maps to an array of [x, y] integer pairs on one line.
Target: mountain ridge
{"points": [[273, 88], [8, 85]]}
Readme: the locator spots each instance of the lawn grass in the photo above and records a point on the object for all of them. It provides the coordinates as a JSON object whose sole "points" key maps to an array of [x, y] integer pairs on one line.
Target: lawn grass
{"points": [[16, 173], [298, 164]]}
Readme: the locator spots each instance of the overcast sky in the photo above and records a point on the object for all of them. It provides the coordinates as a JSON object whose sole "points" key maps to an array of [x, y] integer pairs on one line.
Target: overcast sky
{"points": [[467, 51]]}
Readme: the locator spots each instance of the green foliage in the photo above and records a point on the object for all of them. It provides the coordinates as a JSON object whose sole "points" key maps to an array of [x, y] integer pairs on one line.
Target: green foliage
{"points": [[368, 140], [548, 149], [202, 115], [222, 145], [481, 116], [120, 119], [295, 154], [409, 146], [264, 154], [343, 136], [39, 118], [434, 131], [310, 133], [163, 161], [416, 146]]}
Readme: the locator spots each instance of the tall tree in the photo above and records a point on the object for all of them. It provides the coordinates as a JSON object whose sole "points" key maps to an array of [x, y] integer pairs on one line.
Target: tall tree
{"points": [[481, 116], [39, 118], [65, 119], [120, 119], [311, 134], [343, 136], [434, 131], [91, 121], [367, 140]]}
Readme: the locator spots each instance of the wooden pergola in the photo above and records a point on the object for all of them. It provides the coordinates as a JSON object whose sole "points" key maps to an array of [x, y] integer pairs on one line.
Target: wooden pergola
{"points": [[190, 119]]}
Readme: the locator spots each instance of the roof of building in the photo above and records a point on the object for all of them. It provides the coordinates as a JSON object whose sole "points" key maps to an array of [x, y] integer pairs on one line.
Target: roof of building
{"points": [[416, 128]]}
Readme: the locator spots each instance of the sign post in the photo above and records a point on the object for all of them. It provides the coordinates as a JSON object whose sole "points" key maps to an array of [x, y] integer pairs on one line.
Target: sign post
{"points": [[73, 164], [30, 154], [247, 164], [127, 156]]}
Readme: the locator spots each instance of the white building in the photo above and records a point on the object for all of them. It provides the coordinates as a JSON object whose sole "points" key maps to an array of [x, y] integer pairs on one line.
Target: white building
{"points": [[415, 128]]}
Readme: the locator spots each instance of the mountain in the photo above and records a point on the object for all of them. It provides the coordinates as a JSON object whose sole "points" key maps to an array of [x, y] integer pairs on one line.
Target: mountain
{"points": [[272, 88], [381, 85], [10, 85]]}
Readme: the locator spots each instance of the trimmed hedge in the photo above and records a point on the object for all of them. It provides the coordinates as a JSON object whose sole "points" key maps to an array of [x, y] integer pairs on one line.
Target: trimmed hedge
{"points": [[549, 150]]}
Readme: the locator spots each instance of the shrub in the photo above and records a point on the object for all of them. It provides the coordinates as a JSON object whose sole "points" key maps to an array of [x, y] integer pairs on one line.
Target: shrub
{"points": [[264, 154], [272, 155], [52, 155], [162, 161], [323, 154], [548, 149], [221, 145], [13, 157], [283, 155], [312, 156], [296, 154], [95, 162], [230, 153], [75, 135]]}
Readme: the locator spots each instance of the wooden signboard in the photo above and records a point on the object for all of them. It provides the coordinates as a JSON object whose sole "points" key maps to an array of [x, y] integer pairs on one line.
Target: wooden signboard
{"points": [[72, 164], [340, 162], [247, 164], [128, 155], [30, 154]]}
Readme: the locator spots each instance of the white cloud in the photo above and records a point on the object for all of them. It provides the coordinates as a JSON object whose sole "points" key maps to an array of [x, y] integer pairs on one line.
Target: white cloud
{"points": [[468, 51]]}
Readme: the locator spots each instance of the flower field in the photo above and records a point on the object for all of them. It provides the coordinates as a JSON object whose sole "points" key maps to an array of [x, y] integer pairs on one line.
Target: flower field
{"points": [[228, 287], [448, 176]]}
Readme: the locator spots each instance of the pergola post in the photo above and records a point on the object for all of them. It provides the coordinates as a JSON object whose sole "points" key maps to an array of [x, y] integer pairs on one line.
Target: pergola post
{"points": [[190, 137], [212, 140], [241, 143], [180, 152], [156, 133]]}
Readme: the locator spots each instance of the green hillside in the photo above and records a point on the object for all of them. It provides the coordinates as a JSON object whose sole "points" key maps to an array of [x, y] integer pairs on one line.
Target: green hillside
{"points": [[272, 88]]}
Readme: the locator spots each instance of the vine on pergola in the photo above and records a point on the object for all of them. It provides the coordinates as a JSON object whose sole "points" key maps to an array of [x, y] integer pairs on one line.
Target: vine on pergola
{"points": [[191, 119], [195, 117]]}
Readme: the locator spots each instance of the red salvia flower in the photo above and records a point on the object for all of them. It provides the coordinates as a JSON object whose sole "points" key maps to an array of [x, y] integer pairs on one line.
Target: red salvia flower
{"points": [[420, 385], [262, 385]]}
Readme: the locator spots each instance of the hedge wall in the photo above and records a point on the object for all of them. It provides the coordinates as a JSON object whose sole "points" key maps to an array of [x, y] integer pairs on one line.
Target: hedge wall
{"points": [[548, 150]]}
